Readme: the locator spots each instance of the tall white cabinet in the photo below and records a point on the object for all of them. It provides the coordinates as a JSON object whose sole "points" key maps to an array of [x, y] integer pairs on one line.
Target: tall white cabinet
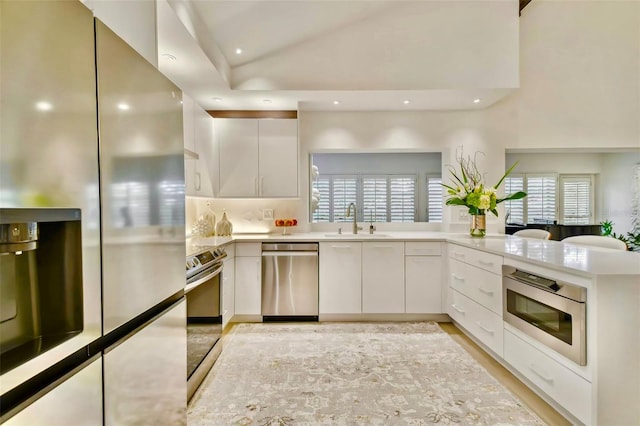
{"points": [[257, 157], [200, 153]]}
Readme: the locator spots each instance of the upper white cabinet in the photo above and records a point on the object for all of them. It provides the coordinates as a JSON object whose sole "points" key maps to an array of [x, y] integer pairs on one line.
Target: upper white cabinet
{"points": [[257, 157], [382, 277], [200, 153]]}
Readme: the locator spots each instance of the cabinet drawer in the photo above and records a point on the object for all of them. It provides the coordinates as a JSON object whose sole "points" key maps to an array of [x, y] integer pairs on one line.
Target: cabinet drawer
{"points": [[482, 286], [483, 260], [422, 248], [561, 384], [482, 323], [248, 249]]}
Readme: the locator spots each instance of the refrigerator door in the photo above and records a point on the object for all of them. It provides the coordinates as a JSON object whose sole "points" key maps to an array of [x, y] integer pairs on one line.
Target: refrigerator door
{"points": [[49, 149], [145, 378], [76, 401], [142, 181]]}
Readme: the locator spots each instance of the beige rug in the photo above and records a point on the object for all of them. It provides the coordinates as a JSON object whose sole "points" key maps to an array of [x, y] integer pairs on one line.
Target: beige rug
{"points": [[350, 374]]}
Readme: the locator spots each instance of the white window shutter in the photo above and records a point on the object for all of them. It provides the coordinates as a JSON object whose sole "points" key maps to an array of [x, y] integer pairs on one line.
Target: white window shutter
{"points": [[402, 202], [434, 199], [323, 212], [344, 192], [374, 199], [577, 200], [541, 199], [515, 208]]}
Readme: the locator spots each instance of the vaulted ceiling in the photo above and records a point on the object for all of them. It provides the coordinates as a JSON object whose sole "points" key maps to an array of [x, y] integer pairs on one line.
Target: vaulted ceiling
{"points": [[367, 55]]}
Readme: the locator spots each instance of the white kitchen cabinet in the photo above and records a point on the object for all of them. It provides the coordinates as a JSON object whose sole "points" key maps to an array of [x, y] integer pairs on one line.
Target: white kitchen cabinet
{"points": [[383, 277], [257, 157], [248, 279], [423, 284], [478, 284], [228, 288], [340, 278], [199, 144]]}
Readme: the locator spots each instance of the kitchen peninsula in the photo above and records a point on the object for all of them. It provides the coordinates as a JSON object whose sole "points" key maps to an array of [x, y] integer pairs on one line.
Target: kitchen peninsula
{"points": [[603, 389]]}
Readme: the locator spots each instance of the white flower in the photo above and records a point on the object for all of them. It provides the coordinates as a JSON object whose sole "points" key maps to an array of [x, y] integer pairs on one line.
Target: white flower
{"points": [[485, 202]]}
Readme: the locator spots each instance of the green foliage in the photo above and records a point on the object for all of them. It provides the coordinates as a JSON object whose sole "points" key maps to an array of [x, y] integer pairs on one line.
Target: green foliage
{"points": [[631, 240]]}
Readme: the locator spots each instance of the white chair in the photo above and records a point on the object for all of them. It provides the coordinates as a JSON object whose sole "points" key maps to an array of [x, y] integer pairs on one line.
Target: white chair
{"points": [[597, 241], [540, 234]]}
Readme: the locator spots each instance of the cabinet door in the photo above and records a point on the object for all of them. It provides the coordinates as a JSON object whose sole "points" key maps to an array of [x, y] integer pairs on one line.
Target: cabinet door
{"points": [[382, 277], [423, 284], [238, 150], [340, 278], [203, 134], [248, 295], [228, 290], [188, 133], [278, 159]]}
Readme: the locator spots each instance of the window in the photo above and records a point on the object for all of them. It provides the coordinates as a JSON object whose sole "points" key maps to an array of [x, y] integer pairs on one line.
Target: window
{"points": [[434, 199], [539, 206], [381, 198], [577, 199]]}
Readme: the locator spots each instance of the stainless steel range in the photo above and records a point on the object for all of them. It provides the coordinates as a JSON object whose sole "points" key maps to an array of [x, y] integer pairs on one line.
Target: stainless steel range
{"points": [[204, 314]]}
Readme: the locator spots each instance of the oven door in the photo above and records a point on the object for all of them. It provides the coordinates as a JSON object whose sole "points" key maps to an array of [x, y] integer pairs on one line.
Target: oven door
{"points": [[555, 321], [204, 318]]}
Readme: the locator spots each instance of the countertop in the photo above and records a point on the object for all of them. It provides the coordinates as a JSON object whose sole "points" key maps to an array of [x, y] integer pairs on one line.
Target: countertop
{"points": [[586, 261]]}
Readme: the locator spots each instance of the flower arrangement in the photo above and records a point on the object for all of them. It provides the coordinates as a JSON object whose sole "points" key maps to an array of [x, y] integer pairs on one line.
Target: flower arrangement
{"points": [[468, 189]]}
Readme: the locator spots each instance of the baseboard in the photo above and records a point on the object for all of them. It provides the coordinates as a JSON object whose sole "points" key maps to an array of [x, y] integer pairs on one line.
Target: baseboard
{"points": [[384, 317]]}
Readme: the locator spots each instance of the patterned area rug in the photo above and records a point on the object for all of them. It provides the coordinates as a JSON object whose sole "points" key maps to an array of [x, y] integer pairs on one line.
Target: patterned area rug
{"points": [[350, 374]]}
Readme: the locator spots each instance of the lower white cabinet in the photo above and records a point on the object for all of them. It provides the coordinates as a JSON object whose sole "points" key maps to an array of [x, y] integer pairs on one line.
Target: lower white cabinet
{"points": [[340, 266], [563, 385], [382, 277], [478, 284], [228, 290], [483, 324], [248, 279], [423, 284]]}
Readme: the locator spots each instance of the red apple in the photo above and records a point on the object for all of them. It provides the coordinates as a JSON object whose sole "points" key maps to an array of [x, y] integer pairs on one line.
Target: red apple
{"points": [[279, 222]]}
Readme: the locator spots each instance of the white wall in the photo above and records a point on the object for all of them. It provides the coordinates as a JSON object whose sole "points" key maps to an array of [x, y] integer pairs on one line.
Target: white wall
{"points": [[133, 20], [580, 75], [618, 188]]}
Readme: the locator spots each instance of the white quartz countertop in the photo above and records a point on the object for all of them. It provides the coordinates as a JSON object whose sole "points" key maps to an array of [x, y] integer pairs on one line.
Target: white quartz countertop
{"points": [[588, 261]]}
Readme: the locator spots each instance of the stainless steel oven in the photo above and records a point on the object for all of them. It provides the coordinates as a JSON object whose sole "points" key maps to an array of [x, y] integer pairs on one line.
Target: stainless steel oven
{"points": [[550, 311], [204, 314]]}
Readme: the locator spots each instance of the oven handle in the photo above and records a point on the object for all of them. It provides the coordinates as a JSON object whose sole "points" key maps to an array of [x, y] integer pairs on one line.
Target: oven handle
{"points": [[216, 271]]}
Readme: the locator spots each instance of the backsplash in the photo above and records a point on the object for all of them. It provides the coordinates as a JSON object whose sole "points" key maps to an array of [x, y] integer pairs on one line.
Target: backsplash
{"points": [[246, 215]]}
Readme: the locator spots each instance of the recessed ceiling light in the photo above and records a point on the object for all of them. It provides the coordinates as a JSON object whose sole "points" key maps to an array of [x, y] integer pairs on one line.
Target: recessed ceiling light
{"points": [[476, 101], [123, 107], [217, 99], [169, 56], [406, 101], [238, 51], [44, 106], [336, 102], [267, 101]]}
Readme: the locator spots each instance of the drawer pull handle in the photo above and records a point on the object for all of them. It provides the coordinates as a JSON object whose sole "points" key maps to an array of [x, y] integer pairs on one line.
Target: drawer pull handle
{"points": [[486, 263], [455, 277], [457, 254], [488, 330], [462, 311], [544, 377], [485, 291]]}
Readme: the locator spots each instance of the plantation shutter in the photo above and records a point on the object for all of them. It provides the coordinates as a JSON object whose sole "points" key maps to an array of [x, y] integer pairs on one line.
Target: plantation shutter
{"points": [[344, 192], [514, 208], [434, 199], [541, 199], [374, 199], [323, 212], [576, 200], [402, 202]]}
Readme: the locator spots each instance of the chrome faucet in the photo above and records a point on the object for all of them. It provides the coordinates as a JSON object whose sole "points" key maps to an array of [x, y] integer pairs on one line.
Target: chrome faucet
{"points": [[355, 214]]}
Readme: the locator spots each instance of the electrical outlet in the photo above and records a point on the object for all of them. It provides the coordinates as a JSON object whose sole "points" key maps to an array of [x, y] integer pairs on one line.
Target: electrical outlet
{"points": [[267, 214]]}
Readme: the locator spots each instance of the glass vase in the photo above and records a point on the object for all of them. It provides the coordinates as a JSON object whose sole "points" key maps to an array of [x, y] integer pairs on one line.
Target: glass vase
{"points": [[478, 225]]}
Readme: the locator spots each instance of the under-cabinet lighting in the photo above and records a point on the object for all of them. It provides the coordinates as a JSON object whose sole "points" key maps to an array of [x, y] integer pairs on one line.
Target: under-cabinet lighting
{"points": [[476, 101], [238, 51], [123, 107], [406, 101], [44, 106], [336, 102]]}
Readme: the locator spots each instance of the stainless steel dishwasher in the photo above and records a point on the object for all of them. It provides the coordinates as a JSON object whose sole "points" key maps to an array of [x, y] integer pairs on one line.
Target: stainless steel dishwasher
{"points": [[289, 281]]}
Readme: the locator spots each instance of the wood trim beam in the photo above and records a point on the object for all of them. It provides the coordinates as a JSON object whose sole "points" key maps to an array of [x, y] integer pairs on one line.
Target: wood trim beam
{"points": [[523, 4], [252, 114]]}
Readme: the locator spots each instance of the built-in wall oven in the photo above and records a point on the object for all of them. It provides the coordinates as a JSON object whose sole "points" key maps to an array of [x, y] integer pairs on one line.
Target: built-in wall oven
{"points": [[550, 311], [204, 314]]}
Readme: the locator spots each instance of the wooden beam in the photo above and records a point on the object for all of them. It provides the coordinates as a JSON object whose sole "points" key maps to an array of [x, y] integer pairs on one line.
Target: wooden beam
{"points": [[252, 114], [523, 4]]}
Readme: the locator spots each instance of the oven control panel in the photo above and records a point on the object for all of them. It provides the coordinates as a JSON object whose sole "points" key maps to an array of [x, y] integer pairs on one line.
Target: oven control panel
{"points": [[197, 262]]}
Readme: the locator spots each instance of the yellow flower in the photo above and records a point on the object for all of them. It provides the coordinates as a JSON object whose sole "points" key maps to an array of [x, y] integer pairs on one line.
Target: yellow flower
{"points": [[485, 202]]}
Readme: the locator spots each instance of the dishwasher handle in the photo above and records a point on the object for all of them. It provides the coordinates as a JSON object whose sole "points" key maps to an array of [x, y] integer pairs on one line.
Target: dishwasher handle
{"points": [[289, 253]]}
